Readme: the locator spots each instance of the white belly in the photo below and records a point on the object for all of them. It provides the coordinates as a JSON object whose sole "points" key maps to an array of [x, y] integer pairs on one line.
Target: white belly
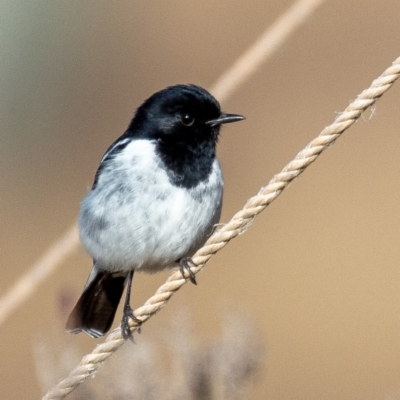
{"points": [[142, 221]]}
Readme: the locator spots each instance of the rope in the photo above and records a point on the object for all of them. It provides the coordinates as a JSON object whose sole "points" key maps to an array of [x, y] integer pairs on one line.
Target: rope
{"points": [[40, 271], [267, 44], [237, 225]]}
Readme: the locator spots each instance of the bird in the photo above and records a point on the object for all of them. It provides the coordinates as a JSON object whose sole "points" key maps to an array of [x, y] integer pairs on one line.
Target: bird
{"points": [[156, 198]]}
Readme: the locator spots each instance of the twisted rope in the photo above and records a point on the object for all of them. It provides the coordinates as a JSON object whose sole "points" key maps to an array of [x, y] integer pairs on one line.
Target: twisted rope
{"points": [[237, 225]]}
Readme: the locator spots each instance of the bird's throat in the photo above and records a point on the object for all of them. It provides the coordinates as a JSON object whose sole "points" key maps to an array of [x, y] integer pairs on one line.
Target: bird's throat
{"points": [[187, 165]]}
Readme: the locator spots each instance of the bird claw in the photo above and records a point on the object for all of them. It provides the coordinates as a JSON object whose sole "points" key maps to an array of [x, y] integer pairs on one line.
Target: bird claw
{"points": [[126, 331], [184, 264]]}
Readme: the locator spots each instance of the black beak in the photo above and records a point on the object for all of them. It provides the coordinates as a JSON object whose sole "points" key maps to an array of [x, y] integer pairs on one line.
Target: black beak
{"points": [[225, 119]]}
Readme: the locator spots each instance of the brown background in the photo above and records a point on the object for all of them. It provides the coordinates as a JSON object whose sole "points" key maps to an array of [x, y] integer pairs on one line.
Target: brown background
{"points": [[319, 271]]}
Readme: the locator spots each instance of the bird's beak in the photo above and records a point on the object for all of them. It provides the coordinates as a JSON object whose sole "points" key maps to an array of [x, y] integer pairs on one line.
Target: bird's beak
{"points": [[225, 119]]}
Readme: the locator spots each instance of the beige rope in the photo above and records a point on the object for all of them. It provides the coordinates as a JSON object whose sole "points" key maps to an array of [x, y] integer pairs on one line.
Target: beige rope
{"points": [[272, 38], [238, 224], [26, 285], [269, 42]]}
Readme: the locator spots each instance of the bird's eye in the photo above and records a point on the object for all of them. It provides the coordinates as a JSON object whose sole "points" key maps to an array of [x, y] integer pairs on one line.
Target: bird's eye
{"points": [[187, 119]]}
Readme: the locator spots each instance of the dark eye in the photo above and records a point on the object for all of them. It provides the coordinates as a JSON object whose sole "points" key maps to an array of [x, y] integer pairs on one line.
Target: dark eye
{"points": [[187, 119]]}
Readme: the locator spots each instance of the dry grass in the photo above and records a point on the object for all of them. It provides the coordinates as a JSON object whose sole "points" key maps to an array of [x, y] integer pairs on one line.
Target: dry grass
{"points": [[224, 367]]}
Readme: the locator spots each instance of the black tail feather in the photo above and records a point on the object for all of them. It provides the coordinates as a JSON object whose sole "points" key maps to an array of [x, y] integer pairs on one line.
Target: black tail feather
{"points": [[95, 310]]}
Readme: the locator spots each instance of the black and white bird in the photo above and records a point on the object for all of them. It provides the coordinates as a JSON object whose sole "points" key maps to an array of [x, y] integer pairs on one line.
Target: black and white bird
{"points": [[156, 197]]}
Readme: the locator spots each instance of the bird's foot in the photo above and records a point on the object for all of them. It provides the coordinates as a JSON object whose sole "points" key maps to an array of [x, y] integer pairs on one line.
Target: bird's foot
{"points": [[184, 264], [125, 328]]}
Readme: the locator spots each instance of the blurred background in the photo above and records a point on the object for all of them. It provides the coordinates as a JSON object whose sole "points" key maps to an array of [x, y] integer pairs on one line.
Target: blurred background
{"points": [[317, 276]]}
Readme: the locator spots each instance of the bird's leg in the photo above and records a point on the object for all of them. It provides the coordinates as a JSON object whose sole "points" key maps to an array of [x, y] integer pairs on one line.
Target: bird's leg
{"points": [[184, 264], [128, 312]]}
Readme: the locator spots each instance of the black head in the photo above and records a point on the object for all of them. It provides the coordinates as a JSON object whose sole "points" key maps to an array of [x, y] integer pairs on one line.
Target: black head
{"points": [[180, 114], [184, 122]]}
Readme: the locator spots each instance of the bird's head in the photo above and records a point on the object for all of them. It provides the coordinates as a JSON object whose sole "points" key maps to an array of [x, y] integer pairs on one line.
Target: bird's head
{"points": [[180, 114]]}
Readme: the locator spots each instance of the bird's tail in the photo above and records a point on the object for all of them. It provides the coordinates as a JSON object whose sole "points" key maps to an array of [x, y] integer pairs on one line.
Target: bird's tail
{"points": [[95, 310]]}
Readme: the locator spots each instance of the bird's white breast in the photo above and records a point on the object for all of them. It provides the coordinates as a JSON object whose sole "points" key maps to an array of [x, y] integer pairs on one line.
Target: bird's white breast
{"points": [[136, 218]]}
